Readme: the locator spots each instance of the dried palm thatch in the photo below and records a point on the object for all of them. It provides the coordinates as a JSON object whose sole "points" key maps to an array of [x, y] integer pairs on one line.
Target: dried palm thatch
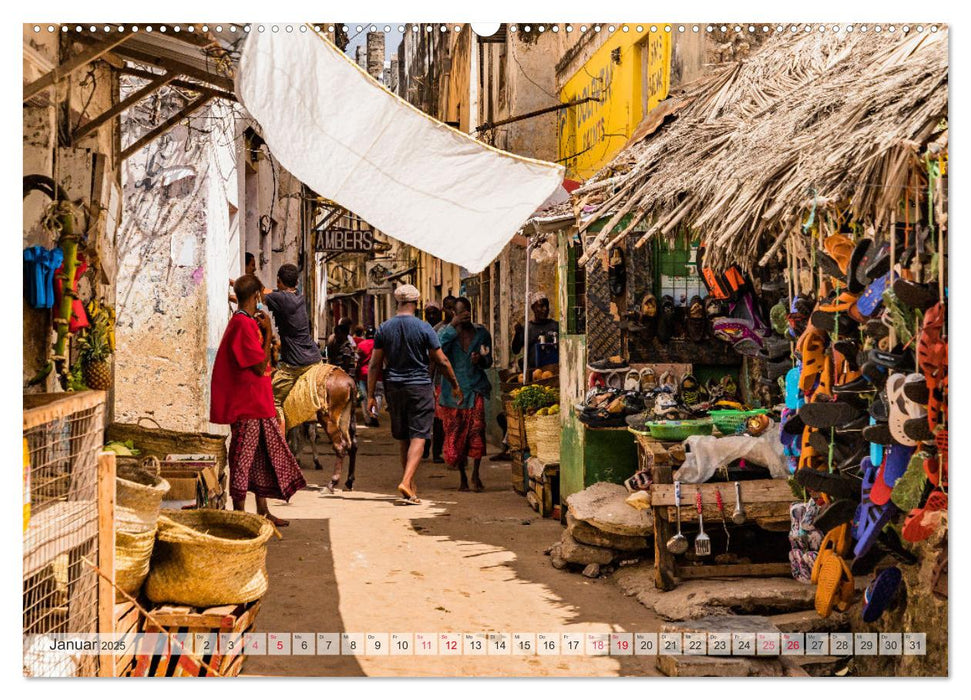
{"points": [[742, 154]]}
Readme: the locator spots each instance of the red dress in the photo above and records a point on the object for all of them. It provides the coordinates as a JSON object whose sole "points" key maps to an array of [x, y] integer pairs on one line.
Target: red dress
{"points": [[237, 392]]}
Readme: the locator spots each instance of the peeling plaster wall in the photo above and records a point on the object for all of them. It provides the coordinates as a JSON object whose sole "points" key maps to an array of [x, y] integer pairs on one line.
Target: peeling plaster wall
{"points": [[174, 253]]}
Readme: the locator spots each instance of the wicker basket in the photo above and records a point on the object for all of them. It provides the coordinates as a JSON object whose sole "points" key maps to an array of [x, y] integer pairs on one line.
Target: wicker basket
{"points": [[133, 552], [546, 435], [160, 442], [205, 558], [138, 497]]}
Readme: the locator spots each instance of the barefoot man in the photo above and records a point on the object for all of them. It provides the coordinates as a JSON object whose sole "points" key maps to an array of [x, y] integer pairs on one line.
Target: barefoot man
{"points": [[468, 347], [404, 347], [242, 397]]}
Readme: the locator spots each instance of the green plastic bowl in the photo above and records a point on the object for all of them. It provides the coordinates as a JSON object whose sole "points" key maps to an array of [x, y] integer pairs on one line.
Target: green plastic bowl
{"points": [[677, 430]]}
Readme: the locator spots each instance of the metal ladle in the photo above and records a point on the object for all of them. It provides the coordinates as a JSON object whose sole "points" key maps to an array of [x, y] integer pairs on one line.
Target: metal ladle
{"points": [[678, 543], [738, 515]]}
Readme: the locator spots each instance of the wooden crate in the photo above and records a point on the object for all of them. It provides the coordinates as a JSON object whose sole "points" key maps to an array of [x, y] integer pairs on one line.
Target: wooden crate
{"points": [[518, 470], [765, 501], [544, 484], [515, 430], [127, 624], [183, 621]]}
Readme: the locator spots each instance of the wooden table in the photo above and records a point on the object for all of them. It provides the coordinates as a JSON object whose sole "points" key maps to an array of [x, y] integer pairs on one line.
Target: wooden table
{"points": [[766, 503]]}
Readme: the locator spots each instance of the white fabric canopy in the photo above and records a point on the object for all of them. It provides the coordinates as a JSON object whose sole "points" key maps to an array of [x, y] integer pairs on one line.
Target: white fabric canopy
{"points": [[405, 173]]}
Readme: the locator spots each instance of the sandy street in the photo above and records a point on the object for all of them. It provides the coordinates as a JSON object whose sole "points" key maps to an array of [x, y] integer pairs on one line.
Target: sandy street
{"points": [[460, 562]]}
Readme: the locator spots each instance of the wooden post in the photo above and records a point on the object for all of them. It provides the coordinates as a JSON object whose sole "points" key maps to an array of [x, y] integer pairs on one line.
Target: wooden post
{"points": [[106, 555], [664, 562]]}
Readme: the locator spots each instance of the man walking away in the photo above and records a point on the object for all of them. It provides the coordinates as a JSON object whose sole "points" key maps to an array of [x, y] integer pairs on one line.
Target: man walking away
{"points": [[298, 352], [405, 346], [468, 347], [242, 397], [365, 347]]}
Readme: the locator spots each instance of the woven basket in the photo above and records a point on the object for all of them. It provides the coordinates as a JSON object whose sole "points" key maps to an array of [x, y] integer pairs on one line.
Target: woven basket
{"points": [[207, 557], [529, 424], [133, 552], [138, 497], [160, 442], [547, 437]]}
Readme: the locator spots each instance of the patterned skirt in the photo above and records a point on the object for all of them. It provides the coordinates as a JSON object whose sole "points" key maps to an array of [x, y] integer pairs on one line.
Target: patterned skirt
{"points": [[260, 461], [465, 430]]}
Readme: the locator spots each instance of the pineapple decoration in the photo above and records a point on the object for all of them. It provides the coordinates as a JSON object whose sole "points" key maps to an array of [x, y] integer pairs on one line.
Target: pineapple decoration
{"points": [[96, 345]]}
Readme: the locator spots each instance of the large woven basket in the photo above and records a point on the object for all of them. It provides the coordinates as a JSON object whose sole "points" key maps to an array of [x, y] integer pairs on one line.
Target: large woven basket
{"points": [[208, 557], [546, 435], [138, 497], [160, 442], [133, 553]]}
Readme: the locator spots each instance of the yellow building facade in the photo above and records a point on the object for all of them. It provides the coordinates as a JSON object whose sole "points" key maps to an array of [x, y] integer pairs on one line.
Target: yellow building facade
{"points": [[627, 76]]}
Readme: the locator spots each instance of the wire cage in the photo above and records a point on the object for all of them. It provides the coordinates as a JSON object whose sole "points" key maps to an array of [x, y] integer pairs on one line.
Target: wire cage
{"points": [[62, 434]]}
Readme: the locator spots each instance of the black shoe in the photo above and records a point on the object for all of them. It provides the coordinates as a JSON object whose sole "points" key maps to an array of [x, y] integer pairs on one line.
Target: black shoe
{"points": [[880, 409], [774, 348], [878, 433], [918, 429], [849, 349], [835, 484], [827, 414], [879, 264], [915, 389], [835, 514], [914, 294], [826, 321], [860, 385], [855, 281]]}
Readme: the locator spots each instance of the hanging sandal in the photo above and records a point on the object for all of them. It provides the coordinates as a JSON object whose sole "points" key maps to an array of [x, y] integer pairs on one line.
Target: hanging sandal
{"points": [[881, 593], [810, 347], [921, 523]]}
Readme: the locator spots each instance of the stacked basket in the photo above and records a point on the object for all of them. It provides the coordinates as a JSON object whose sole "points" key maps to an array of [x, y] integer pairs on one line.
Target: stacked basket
{"points": [[138, 494]]}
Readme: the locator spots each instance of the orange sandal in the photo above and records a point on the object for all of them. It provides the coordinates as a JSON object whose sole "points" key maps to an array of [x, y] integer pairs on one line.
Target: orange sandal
{"points": [[810, 347]]}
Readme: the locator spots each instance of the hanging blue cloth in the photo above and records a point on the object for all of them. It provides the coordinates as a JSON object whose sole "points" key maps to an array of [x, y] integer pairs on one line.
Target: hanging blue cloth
{"points": [[40, 264]]}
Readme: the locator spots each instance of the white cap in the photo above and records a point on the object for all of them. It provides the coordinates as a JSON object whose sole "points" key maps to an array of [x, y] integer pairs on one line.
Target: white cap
{"points": [[406, 292]]}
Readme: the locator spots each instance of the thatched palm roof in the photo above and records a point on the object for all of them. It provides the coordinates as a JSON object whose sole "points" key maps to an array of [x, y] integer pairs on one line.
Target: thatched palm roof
{"points": [[740, 155]]}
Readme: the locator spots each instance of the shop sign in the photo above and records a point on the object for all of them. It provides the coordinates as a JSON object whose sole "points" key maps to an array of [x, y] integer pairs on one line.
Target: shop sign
{"points": [[337, 240]]}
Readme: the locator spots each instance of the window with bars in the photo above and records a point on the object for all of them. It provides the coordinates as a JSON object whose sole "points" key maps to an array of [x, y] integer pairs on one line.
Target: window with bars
{"points": [[676, 269], [576, 293]]}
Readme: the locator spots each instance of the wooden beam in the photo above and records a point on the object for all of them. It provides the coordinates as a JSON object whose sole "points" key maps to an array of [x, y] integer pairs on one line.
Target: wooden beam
{"points": [[134, 54], [184, 84], [167, 124], [65, 69], [120, 107], [106, 555]]}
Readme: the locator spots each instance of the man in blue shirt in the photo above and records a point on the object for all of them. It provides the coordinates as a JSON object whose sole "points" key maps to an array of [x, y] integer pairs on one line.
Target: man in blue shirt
{"points": [[468, 346], [404, 347]]}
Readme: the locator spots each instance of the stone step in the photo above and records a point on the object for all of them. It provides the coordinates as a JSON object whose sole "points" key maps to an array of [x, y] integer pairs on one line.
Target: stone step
{"points": [[810, 621]]}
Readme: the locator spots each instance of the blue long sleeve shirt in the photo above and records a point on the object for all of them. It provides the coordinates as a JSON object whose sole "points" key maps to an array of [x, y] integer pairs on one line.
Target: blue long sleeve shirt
{"points": [[472, 377]]}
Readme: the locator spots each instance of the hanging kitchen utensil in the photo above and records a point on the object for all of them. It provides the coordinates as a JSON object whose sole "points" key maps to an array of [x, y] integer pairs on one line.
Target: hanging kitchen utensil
{"points": [[677, 543], [738, 516], [721, 510], [702, 541]]}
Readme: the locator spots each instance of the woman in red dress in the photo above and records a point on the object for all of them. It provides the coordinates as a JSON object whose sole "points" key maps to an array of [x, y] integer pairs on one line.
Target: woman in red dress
{"points": [[242, 397]]}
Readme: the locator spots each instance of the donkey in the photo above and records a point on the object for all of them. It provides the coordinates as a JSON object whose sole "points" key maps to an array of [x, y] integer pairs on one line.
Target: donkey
{"points": [[338, 422]]}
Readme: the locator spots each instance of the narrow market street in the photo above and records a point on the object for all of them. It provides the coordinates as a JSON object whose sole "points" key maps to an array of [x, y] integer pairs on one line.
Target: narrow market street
{"points": [[460, 562]]}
